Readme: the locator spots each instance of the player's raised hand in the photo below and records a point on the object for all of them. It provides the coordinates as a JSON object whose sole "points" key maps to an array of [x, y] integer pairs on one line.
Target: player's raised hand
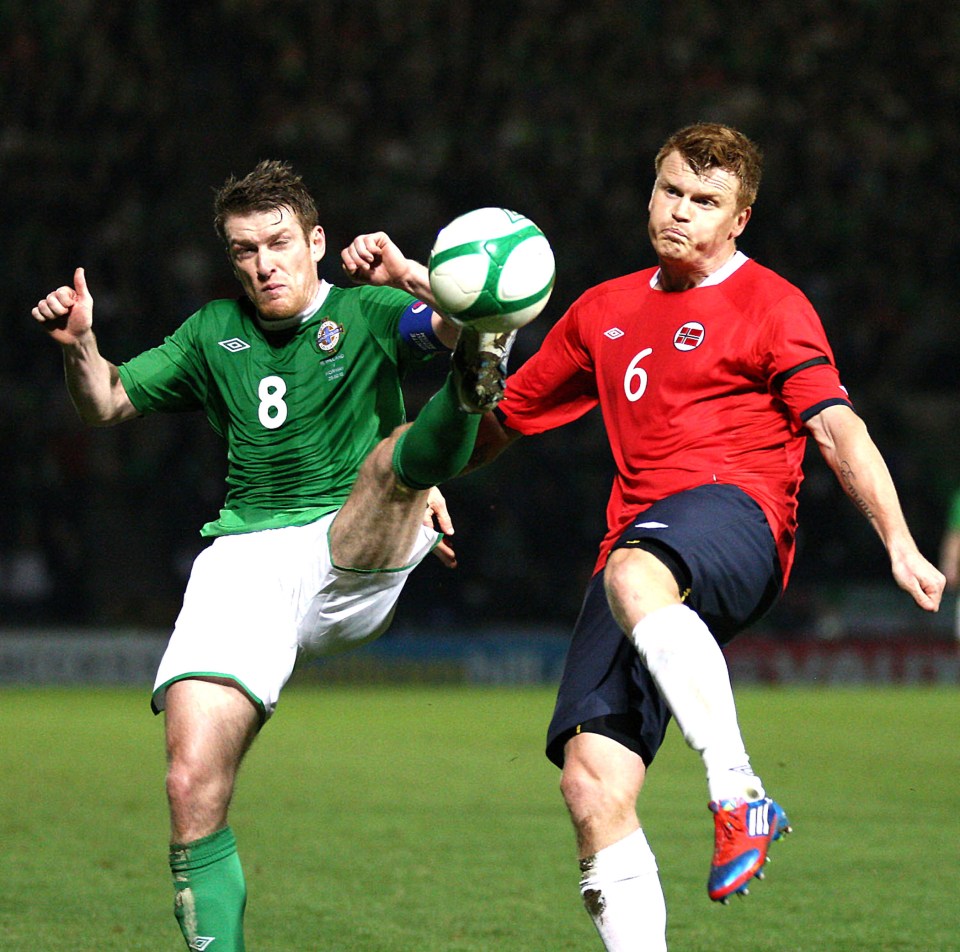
{"points": [[67, 313], [374, 259]]}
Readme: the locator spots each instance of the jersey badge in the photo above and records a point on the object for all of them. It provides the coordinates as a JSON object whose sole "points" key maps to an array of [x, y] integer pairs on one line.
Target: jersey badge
{"points": [[689, 336], [329, 337], [234, 344]]}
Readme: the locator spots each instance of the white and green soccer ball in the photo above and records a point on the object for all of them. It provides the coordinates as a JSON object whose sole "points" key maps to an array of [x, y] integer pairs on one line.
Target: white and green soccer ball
{"points": [[492, 269]]}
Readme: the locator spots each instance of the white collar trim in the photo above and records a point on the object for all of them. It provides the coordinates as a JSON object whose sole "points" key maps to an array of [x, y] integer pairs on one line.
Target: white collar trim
{"points": [[287, 322], [734, 263]]}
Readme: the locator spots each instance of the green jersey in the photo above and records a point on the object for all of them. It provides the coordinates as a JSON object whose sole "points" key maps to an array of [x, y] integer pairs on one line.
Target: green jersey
{"points": [[300, 409]]}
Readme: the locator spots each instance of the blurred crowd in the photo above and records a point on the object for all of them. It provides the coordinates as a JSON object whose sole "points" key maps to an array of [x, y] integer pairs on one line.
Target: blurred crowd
{"points": [[119, 117]]}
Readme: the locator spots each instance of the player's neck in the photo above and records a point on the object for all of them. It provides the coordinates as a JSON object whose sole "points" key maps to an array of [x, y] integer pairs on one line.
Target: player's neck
{"points": [[680, 278], [285, 323]]}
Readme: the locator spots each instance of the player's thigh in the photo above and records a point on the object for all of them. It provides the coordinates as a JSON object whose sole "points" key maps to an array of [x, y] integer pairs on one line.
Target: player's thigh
{"points": [[210, 724], [717, 543], [377, 526], [351, 607], [239, 616]]}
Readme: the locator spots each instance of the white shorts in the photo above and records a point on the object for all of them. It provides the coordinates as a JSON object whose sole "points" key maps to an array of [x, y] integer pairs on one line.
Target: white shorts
{"points": [[255, 600]]}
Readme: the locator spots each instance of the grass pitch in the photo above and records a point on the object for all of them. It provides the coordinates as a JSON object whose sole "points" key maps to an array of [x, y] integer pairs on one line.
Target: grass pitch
{"points": [[425, 819]]}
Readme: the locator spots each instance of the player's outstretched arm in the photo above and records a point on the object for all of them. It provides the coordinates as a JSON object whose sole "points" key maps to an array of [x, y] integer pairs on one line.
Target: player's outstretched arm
{"points": [[853, 456], [375, 259], [92, 381]]}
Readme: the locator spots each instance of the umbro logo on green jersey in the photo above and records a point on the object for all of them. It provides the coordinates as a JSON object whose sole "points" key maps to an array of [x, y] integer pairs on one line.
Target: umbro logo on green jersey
{"points": [[202, 942], [234, 344]]}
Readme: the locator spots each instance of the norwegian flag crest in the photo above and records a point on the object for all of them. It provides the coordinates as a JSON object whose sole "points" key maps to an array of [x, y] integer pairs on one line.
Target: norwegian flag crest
{"points": [[689, 336]]}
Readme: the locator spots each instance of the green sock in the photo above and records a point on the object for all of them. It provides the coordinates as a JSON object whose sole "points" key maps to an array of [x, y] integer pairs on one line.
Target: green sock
{"points": [[439, 443], [210, 892]]}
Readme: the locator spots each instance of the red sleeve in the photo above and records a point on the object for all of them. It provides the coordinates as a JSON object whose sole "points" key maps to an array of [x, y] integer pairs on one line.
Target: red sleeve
{"points": [[802, 371], [557, 384]]}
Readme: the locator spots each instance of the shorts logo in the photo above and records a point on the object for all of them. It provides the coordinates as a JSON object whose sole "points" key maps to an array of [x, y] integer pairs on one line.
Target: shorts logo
{"points": [[650, 525], [690, 336], [202, 942], [328, 337], [234, 345]]}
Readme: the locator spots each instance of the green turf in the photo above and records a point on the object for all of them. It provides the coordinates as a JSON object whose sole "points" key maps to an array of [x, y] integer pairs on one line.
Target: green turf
{"points": [[426, 819]]}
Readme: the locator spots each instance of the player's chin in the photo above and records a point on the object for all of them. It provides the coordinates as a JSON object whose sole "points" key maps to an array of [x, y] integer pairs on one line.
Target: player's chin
{"points": [[274, 309], [671, 249]]}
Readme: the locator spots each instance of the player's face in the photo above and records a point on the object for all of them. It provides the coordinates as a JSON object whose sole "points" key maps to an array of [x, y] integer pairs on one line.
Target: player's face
{"points": [[275, 261], [694, 220]]}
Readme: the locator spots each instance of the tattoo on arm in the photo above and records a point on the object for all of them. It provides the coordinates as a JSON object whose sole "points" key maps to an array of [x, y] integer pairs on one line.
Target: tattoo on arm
{"points": [[848, 478]]}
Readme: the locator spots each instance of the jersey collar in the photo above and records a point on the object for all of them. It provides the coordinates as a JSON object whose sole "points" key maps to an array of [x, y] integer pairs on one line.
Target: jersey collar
{"points": [[286, 323], [736, 261]]}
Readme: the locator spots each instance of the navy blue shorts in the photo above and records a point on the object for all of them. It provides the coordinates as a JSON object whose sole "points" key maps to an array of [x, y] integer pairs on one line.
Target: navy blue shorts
{"points": [[718, 544]]}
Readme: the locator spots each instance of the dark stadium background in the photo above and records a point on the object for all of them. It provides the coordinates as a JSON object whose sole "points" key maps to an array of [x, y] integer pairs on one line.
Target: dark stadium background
{"points": [[117, 118]]}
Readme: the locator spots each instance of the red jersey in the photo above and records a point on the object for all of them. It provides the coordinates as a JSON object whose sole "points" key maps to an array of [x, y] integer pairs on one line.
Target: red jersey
{"points": [[708, 385]]}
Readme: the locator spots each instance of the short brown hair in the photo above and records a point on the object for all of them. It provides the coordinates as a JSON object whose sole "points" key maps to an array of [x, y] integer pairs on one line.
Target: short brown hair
{"points": [[272, 184], [711, 145]]}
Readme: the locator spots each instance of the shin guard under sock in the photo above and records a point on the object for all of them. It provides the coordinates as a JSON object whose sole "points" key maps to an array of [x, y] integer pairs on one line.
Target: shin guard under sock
{"points": [[440, 442], [621, 892], [689, 668], [210, 892]]}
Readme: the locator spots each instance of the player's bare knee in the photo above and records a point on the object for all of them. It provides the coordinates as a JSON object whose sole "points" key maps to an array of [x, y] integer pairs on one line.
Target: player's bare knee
{"points": [[614, 583], [184, 778], [182, 784], [192, 779], [577, 789], [637, 583], [590, 795]]}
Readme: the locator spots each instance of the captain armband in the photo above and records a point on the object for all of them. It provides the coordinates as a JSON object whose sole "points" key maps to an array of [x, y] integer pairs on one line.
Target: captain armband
{"points": [[416, 329]]}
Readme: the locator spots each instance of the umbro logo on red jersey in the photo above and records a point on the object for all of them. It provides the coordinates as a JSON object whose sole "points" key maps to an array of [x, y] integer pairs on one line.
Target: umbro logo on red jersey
{"points": [[689, 336], [613, 333]]}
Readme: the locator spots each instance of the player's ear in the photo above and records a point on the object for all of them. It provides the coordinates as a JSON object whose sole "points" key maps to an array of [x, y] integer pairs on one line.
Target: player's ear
{"points": [[232, 261], [318, 243], [740, 221]]}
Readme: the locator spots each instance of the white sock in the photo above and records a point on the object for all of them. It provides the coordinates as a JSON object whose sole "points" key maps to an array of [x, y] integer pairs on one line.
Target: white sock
{"points": [[621, 892], [689, 669]]}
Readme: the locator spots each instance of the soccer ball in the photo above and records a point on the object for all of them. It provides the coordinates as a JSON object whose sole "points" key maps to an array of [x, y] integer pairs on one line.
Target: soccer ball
{"points": [[491, 269]]}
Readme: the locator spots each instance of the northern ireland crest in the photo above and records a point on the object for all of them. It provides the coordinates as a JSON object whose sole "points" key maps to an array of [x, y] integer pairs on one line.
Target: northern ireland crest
{"points": [[329, 336]]}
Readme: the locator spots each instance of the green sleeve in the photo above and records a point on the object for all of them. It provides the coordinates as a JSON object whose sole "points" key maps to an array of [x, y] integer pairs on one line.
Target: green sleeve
{"points": [[382, 309], [171, 377]]}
